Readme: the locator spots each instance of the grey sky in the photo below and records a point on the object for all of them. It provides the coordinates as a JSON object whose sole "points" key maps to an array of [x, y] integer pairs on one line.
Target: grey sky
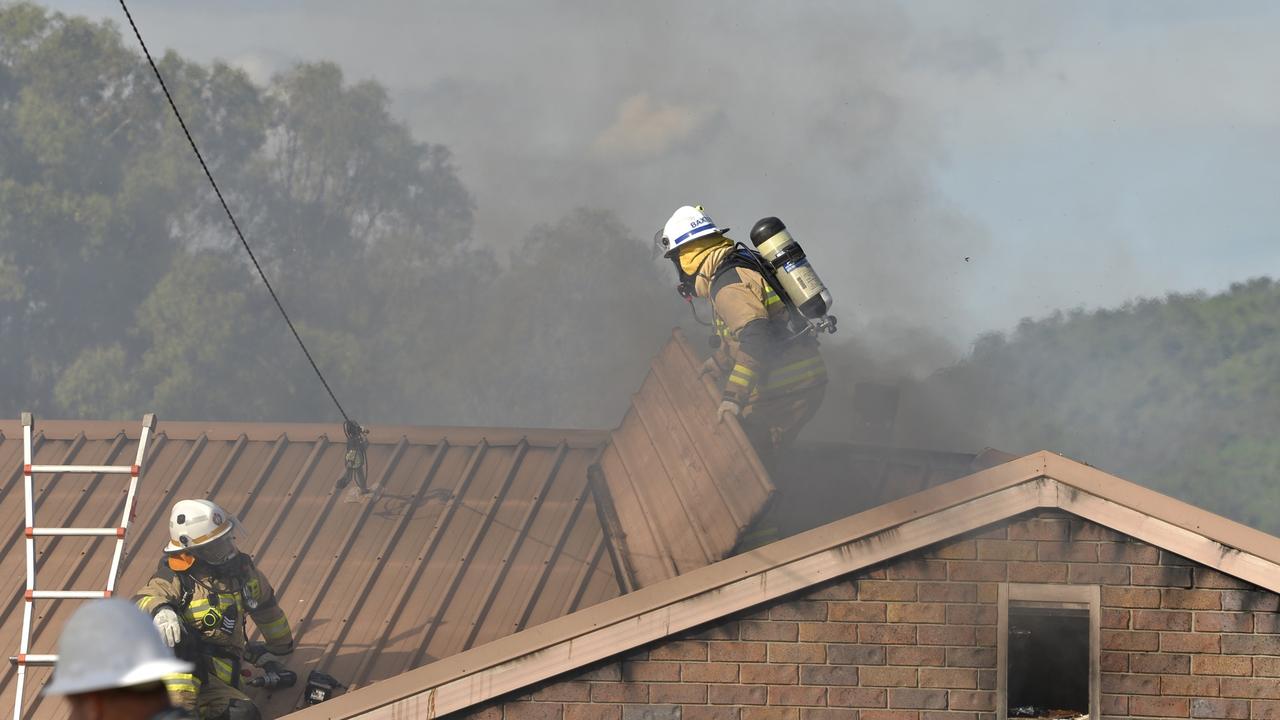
{"points": [[1078, 153]]}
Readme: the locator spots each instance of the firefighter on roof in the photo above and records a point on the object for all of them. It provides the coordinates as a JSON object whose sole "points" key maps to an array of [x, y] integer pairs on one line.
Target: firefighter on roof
{"points": [[765, 349], [199, 599]]}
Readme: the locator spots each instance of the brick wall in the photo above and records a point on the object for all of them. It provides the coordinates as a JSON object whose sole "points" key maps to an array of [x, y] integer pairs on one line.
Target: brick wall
{"points": [[915, 639]]}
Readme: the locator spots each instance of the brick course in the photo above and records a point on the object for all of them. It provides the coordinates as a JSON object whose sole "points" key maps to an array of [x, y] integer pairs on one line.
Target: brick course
{"points": [[915, 639]]}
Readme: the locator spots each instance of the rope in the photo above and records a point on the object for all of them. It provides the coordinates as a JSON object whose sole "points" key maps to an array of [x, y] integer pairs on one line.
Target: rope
{"points": [[204, 166]]}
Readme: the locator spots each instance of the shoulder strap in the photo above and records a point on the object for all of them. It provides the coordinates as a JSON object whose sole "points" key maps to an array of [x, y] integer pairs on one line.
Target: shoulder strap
{"points": [[744, 257], [188, 585], [741, 257]]}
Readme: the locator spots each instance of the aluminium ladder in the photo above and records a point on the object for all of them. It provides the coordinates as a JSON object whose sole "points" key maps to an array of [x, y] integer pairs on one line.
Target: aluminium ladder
{"points": [[29, 470]]}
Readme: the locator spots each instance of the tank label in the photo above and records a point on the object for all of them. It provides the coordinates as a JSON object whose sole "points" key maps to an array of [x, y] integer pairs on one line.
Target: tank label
{"points": [[792, 265]]}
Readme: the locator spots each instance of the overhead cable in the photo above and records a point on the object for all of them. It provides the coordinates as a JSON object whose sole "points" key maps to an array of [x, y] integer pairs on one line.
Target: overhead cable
{"points": [[235, 225]]}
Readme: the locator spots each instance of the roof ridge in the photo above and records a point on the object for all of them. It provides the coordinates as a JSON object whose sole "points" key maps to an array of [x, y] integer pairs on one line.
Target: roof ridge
{"points": [[268, 431]]}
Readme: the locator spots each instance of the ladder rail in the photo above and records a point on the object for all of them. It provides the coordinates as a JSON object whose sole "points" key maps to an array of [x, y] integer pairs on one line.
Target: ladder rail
{"points": [[130, 509], [29, 469], [30, 541]]}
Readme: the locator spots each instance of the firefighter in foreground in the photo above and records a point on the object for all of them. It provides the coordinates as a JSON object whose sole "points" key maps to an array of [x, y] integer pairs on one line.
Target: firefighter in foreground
{"points": [[111, 665], [199, 598], [768, 307]]}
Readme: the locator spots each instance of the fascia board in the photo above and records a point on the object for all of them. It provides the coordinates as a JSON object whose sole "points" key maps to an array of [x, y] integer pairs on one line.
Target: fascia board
{"points": [[1162, 510]]}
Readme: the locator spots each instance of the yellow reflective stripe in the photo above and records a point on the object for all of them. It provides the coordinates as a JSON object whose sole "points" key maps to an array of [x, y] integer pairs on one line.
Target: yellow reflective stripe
{"points": [[742, 375], [771, 298], [202, 602], [222, 669], [794, 381], [812, 363], [146, 602], [197, 615], [786, 378], [808, 369], [721, 328], [182, 682], [816, 359], [276, 628]]}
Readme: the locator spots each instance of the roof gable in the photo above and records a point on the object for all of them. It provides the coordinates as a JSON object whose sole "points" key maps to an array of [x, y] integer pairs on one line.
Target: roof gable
{"points": [[1039, 480]]}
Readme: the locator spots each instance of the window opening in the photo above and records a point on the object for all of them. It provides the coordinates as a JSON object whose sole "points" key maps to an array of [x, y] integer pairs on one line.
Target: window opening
{"points": [[1048, 651], [1048, 661]]}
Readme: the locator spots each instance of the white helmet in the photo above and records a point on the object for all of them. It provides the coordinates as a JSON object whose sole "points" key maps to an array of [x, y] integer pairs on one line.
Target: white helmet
{"points": [[687, 224], [110, 644], [204, 528]]}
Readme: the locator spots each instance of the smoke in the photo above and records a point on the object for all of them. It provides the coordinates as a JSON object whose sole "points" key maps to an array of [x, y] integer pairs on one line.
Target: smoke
{"points": [[806, 112], [646, 129], [810, 112], [841, 118]]}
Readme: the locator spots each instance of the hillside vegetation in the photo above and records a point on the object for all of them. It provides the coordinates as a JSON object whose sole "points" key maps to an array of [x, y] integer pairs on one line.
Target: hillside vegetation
{"points": [[1181, 394]]}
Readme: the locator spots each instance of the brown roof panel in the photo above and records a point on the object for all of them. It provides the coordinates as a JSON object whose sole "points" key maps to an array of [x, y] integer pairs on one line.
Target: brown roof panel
{"points": [[994, 494], [477, 533], [683, 486]]}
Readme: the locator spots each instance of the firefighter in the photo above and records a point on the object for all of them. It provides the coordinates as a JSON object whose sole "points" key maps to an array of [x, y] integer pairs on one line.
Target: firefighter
{"points": [[199, 598], [130, 686], [774, 376]]}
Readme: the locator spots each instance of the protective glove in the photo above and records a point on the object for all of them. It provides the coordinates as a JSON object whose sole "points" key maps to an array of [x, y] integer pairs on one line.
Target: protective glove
{"points": [[710, 367], [170, 627], [728, 407]]}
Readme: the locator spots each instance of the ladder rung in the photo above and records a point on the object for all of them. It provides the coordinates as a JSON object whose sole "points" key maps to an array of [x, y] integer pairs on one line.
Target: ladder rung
{"points": [[88, 469], [33, 659], [75, 532], [66, 594]]}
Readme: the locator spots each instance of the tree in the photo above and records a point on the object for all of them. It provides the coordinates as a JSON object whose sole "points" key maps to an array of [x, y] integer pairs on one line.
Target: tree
{"points": [[121, 285], [93, 195]]}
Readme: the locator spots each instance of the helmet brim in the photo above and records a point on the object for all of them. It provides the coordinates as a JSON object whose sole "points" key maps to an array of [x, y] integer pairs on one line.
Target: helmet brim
{"points": [[676, 250], [144, 674]]}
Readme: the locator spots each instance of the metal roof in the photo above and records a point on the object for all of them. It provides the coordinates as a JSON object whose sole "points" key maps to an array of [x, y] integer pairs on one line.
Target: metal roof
{"points": [[1002, 492], [477, 533]]}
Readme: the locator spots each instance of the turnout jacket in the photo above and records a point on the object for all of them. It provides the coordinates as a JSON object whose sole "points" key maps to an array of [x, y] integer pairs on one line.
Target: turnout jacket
{"points": [[213, 603], [764, 357]]}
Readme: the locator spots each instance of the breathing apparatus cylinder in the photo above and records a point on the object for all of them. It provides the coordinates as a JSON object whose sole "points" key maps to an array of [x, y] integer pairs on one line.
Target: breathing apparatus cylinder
{"points": [[793, 271]]}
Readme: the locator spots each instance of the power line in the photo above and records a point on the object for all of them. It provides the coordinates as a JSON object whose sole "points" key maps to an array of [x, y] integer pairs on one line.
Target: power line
{"points": [[204, 166]]}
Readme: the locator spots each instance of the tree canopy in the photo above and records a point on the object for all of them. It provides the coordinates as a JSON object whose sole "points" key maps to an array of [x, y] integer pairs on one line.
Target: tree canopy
{"points": [[122, 288]]}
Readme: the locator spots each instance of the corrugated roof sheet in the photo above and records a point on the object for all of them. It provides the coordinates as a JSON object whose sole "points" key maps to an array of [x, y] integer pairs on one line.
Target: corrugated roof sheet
{"points": [[683, 486], [476, 535], [994, 494]]}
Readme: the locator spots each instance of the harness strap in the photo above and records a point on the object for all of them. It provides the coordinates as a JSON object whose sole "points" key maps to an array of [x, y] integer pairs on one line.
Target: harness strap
{"points": [[744, 257]]}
